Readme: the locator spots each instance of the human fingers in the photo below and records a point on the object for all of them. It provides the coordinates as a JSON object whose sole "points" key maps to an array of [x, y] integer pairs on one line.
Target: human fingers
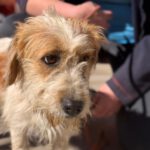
{"points": [[107, 14], [91, 7], [101, 22]]}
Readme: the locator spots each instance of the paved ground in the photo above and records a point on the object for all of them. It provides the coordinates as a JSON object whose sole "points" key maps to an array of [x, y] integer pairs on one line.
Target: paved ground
{"points": [[100, 74]]}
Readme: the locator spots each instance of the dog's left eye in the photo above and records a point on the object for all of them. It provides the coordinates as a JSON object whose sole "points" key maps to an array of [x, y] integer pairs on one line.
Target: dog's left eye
{"points": [[51, 59], [84, 58]]}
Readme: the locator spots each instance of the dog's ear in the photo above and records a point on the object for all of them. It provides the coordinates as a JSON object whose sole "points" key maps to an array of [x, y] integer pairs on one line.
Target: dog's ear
{"points": [[97, 38], [13, 66], [12, 70], [97, 35]]}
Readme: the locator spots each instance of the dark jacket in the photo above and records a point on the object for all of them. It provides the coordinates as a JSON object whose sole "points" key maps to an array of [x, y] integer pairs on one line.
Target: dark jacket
{"points": [[133, 77]]}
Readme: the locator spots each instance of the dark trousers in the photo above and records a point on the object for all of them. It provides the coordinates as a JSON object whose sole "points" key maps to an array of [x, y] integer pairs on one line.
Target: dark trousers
{"points": [[133, 130]]}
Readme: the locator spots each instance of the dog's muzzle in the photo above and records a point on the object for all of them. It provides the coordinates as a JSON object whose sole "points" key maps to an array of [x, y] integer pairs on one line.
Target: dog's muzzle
{"points": [[72, 107]]}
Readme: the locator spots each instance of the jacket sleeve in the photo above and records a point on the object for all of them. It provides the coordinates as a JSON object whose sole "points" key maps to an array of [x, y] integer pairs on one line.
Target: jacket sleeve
{"points": [[22, 4], [121, 83]]}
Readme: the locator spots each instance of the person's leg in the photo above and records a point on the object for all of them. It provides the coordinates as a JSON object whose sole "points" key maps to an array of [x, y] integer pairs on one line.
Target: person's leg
{"points": [[8, 26], [134, 131]]}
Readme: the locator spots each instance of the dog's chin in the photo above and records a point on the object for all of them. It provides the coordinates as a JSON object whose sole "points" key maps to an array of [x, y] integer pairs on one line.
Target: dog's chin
{"points": [[67, 124], [53, 127]]}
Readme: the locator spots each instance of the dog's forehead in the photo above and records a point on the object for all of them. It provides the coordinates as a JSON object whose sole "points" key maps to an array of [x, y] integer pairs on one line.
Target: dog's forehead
{"points": [[71, 31], [52, 31]]}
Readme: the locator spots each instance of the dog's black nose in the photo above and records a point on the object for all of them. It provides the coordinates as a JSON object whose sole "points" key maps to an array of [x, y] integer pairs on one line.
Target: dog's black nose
{"points": [[72, 107]]}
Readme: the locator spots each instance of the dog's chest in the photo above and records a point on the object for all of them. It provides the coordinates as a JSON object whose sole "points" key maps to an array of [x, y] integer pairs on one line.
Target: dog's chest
{"points": [[57, 147]]}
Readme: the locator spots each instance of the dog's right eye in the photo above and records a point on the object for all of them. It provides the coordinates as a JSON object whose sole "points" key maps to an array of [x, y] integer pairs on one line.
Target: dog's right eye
{"points": [[51, 59]]}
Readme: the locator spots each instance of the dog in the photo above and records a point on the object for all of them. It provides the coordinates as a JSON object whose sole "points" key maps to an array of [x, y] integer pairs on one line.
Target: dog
{"points": [[45, 89]]}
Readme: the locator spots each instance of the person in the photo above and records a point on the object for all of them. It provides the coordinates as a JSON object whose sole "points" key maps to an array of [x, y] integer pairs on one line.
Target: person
{"points": [[131, 81], [8, 24], [119, 90], [8, 2], [75, 9], [6, 8]]}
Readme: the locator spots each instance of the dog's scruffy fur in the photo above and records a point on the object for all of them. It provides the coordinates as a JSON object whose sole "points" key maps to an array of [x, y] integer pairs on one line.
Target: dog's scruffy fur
{"points": [[49, 63]]}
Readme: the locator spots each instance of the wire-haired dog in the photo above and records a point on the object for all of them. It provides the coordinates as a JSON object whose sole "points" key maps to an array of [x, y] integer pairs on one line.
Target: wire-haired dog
{"points": [[47, 79]]}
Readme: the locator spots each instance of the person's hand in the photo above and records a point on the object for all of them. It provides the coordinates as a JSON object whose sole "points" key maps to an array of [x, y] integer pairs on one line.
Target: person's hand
{"points": [[102, 18], [86, 10], [105, 103], [94, 13]]}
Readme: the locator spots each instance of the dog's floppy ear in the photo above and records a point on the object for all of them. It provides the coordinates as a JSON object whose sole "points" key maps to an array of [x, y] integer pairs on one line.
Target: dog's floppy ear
{"points": [[13, 67], [98, 36]]}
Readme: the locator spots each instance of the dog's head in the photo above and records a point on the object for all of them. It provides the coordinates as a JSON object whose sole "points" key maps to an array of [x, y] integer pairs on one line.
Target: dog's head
{"points": [[51, 59]]}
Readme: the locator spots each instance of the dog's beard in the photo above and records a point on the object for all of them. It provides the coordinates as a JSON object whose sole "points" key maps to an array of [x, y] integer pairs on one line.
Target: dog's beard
{"points": [[47, 128]]}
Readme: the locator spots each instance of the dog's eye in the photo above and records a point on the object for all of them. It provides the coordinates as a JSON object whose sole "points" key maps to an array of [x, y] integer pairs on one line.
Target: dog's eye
{"points": [[84, 58], [51, 59]]}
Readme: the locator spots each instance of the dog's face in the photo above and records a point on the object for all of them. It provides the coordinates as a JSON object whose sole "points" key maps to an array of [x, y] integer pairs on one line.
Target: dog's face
{"points": [[51, 60]]}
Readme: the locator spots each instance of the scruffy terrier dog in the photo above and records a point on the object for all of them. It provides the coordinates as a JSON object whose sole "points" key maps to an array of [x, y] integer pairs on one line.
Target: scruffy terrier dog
{"points": [[46, 92]]}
